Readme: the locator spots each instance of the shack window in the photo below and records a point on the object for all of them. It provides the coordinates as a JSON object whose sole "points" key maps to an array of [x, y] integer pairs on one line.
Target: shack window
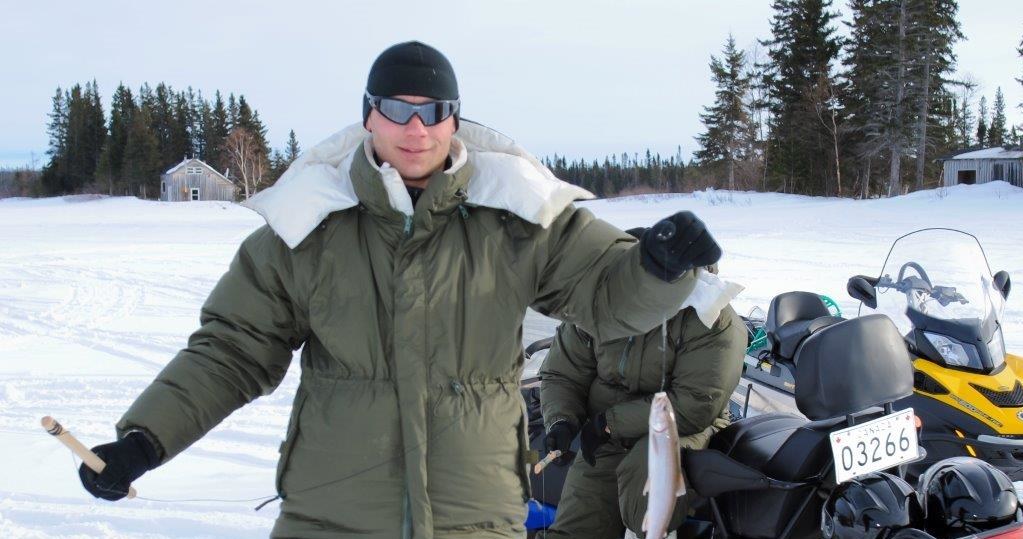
{"points": [[163, 187], [968, 177], [998, 171], [193, 170], [195, 193]]}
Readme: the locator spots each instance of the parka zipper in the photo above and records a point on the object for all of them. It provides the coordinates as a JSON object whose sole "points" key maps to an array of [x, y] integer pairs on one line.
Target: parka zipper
{"points": [[408, 225], [625, 357], [406, 523]]}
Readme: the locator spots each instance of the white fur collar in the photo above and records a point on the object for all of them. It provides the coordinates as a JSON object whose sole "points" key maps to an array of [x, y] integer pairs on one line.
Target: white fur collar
{"points": [[710, 295], [504, 176]]}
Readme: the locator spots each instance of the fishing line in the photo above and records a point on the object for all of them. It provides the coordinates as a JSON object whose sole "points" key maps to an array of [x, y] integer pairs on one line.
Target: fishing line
{"points": [[664, 236], [543, 488]]}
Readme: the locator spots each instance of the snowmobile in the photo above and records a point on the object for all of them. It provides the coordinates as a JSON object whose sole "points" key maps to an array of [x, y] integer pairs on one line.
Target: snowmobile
{"points": [[937, 287], [775, 475], [772, 475], [952, 328]]}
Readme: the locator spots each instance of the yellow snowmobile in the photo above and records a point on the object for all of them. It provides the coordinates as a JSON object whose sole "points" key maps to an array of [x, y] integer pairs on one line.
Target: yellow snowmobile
{"points": [[937, 287]]}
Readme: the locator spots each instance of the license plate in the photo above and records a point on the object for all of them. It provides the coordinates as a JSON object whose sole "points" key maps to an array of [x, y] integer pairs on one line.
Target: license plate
{"points": [[875, 445]]}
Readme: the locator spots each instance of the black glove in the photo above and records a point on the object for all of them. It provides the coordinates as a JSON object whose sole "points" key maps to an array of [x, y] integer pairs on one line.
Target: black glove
{"points": [[126, 460], [592, 436], [676, 245], [559, 438]]}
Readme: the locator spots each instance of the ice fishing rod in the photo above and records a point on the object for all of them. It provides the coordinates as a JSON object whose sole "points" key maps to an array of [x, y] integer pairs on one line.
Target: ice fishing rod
{"points": [[96, 464]]}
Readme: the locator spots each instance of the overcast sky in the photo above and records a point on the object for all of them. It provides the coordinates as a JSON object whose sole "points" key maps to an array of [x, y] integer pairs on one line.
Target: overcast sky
{"points": [[582, 78]]}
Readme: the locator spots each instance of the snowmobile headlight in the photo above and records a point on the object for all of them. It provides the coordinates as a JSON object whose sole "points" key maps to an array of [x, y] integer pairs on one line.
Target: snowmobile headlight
{"points": [[996, 347], [955, 353]]}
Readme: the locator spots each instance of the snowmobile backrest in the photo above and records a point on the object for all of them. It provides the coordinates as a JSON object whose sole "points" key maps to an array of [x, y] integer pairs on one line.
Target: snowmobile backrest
{"points": [[794, 306], [786, 340], [789, 319], [850, 366]]}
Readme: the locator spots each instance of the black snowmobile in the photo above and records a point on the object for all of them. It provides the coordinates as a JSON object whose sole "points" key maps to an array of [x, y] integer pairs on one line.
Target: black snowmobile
{"points": [[770, 472], [779, 475]]}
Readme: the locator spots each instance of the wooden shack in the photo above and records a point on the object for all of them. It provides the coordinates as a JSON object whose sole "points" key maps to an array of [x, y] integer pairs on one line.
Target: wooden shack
{"points": [[984, 165], [192, 179]]}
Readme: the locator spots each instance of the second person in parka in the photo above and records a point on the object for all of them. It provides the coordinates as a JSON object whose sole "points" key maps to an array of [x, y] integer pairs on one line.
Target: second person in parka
{"points": [[602, 391]]}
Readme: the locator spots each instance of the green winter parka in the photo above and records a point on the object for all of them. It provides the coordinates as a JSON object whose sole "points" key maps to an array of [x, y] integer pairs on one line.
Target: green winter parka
{"points": [[408, 420], [583, 376]]}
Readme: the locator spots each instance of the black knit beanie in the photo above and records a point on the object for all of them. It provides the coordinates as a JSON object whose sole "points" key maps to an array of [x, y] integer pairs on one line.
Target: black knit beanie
{"points": [[411, 68]]}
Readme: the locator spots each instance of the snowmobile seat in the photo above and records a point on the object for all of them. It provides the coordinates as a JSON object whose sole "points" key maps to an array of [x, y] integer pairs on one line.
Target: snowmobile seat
{"points": [[784, 448], [849, 368], [791, 318]]}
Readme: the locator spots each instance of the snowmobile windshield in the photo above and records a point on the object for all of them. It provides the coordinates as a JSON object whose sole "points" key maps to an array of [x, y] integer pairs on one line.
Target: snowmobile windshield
{"points": [[937, 287]]}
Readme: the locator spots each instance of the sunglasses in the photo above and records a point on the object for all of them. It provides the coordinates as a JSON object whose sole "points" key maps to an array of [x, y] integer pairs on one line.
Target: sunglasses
{"points": [[401, 112]]}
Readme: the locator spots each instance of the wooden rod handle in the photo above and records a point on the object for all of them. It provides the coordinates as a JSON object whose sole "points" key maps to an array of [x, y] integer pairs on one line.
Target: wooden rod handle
{"points": [[539, 466], [90, 459]]}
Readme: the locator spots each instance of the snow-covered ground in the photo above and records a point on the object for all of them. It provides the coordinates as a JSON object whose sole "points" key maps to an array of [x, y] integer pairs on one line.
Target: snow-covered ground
{"points": [[97, 294]]}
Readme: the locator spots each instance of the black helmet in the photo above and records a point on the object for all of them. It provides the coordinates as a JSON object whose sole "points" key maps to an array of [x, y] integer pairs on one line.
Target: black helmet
{"points": [[963, 493], [870, 507]]}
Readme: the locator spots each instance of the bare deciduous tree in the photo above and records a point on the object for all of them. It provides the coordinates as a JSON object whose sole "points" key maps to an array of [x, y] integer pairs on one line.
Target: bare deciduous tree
{"points": [[824, 100], [246, 157]]}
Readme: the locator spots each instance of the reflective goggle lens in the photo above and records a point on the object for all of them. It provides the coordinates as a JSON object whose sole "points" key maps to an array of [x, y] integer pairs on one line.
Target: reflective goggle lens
{"points": [[401, 112]]}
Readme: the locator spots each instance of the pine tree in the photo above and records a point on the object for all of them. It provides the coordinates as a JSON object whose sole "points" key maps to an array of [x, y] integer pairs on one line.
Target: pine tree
{"points": [[57, 128], [201, 116], [899, 56], [996, 133], [802, 49], [964, 123], [1019, 50], [142, 160], [249, 119], [217, 128], [292, 150], [232, 112], [982, 133], [727, 121], [162, 112], [97, 131], [278, 165], [937, 30], [179, 140], [857, 99], [76, 139], [122, 109], [86, 133]]}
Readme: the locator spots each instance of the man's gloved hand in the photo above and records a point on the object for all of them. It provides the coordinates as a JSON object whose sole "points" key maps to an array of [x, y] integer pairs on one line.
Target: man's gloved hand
{"points": [[126, 460], [677, 244], [594, 434], [559, 438]]}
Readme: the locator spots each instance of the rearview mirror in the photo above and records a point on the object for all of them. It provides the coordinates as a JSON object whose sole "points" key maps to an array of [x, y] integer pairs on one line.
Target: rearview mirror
{"points": [[1003, 283], [861, 288]]}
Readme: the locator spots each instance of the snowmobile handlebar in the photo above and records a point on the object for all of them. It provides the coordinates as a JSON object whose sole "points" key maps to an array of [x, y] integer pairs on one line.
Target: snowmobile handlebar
{"points": [[945, 295]]}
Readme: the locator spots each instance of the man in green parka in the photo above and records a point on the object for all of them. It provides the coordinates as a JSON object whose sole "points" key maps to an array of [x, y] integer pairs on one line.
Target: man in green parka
{"points": [[401, 257], [602, 391]]}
